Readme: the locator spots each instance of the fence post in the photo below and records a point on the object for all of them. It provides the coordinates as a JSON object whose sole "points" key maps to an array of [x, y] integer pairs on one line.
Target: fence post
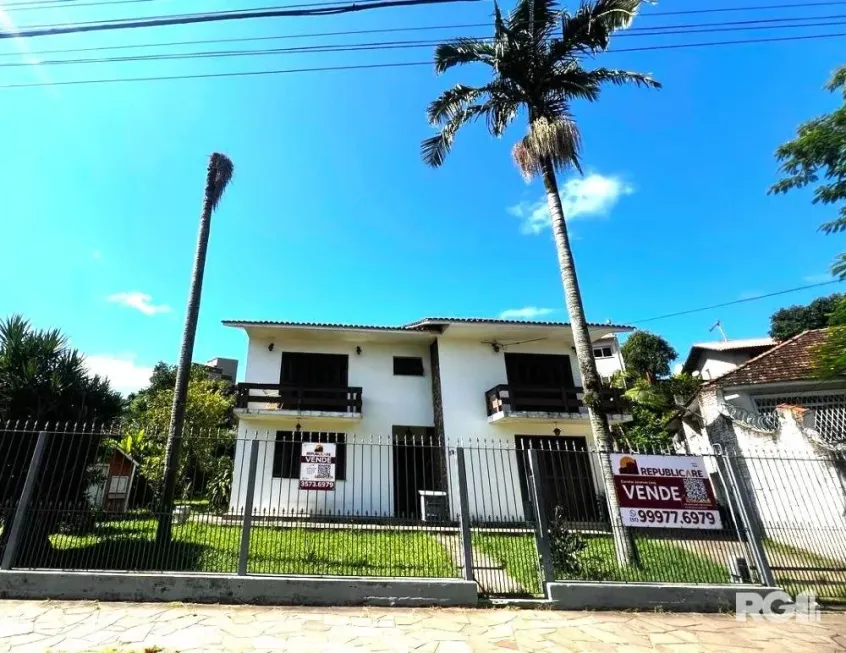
{"points": [[544, 548], [12, 544], [754, 536], [464, 515], [248, 509]]}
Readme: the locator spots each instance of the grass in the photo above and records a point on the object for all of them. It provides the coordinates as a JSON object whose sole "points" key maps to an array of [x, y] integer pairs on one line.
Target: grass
{"points": [[516, 553], [660, 561], [197, 546], [829, 586]]}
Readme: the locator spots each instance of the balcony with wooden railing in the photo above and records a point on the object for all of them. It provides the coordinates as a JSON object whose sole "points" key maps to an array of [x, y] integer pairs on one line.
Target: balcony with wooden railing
{"points": [[507, 401], [288, 399]]}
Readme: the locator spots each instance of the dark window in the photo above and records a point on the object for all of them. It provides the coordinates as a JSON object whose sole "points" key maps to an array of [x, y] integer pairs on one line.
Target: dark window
{"points": [[408, 366], [288, 451], [603, 352]]}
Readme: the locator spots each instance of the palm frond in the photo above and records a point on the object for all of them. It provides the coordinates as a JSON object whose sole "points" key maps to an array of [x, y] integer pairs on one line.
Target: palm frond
{"points": [[218, 176], [622, 77], [435, 149], [450, 103], [835, 226], [839, 267], [557, 141], [535, 17], [591, 27], [462, 51]]}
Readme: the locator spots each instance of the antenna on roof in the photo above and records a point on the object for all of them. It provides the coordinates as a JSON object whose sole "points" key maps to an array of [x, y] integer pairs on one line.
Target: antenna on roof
{"points": [[718, 325]]}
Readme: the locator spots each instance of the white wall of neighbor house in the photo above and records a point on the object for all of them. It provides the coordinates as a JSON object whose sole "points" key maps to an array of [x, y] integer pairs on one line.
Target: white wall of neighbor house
{"points": [[799, 497], [608, 357], [387, 400], [713, 364]]}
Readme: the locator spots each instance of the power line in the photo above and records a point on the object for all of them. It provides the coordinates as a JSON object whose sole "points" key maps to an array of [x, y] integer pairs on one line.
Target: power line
{"points": [[363, 66], [737, 301], [309, 49], [280, 11], [653, 31], [186, 19], [13, 7]]}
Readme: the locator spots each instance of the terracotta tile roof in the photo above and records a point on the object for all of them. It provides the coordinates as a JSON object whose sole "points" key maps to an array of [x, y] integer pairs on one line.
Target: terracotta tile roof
{"points": [[791, 360]]}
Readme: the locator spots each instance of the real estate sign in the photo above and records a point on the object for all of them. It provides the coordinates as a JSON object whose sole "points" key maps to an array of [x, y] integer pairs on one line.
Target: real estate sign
{"points": [[664, 491], [317, 466]]}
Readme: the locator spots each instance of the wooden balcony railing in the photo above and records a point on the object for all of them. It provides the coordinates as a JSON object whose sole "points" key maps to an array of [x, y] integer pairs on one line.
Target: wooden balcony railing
{"points": [[275, 396], [548, 399]]}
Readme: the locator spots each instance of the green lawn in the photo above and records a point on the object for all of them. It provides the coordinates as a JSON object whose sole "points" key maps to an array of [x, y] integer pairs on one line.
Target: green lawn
{"points": [[130, 544], [660, 561], [788, 560]]}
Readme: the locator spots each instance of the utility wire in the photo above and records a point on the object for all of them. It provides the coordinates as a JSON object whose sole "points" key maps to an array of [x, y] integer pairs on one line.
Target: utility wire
{"points": [[652, 31], [305, 49], [737, 301], [186, 19], [404, 64], [52, 4]]}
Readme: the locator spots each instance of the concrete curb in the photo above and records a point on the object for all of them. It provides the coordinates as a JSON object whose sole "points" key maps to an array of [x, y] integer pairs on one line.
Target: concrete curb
{"points": [[648, 596], [257, 590]]}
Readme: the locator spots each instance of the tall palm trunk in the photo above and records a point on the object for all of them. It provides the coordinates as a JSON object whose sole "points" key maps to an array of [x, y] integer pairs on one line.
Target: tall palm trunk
{"points": [[217, 177], [624, 545]]}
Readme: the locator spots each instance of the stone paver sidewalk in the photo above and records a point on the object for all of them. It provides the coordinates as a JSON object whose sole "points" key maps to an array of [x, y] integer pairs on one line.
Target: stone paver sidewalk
{"points": [[91, 626]]}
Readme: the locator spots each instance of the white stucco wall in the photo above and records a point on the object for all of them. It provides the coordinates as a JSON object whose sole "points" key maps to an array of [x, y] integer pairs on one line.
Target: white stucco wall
{"points": [[387, 400], [608, 366], [713, 364], [798, 496], [468, 369]]}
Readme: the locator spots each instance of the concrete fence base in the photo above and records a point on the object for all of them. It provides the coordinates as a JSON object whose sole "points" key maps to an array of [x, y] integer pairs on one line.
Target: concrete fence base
{"points": [[648, 596], [261, 590]]}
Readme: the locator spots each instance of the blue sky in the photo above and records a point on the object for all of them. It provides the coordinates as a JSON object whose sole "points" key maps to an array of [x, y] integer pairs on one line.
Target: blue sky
{"points": [[333, 217]]}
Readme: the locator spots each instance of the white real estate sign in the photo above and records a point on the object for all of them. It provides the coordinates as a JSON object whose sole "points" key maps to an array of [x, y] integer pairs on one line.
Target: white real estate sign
{"points": [[317, 466], [664, 491]]}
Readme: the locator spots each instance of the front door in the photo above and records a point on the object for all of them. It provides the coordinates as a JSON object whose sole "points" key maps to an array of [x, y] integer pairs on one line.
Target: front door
{"points": [[565, 476], [418, 466]]}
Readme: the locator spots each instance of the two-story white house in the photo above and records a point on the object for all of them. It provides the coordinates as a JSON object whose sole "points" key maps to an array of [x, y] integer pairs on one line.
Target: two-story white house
{"points": [[397, 401]]}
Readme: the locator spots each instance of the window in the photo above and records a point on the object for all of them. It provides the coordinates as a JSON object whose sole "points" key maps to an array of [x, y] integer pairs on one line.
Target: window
{"points": [[408, 366], [603, 352], [288, 451], [118, 484]]}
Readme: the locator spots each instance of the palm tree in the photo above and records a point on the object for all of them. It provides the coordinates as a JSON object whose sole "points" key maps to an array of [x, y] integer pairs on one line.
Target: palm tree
{"points": [[217, 178], [541, 73]]}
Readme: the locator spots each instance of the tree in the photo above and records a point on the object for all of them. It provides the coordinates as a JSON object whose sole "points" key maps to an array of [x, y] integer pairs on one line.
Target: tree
{"points": [[819, 152], [830, 358], [648, 355], [45, 383], [218, 176], [540, 74], [207, 437], [788, 322]]}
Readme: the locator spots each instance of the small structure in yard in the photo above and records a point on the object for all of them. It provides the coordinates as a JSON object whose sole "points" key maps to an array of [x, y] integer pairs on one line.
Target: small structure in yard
{"points": [[111, 494]]}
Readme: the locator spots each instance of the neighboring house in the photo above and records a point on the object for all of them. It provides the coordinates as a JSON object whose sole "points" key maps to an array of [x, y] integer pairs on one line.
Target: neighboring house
{"points": [[440, 381], [789, 429], [606, 351], [118, 475], [710, 360], [225, 369]]}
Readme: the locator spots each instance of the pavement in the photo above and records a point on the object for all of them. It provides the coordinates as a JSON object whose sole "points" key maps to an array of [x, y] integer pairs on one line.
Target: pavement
{"points": [[110, 627]]}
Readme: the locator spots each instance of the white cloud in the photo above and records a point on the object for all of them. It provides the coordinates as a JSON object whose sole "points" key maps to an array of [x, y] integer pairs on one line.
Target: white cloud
{"points": [[581, 197], [123, 373], [139, 301], [525, 313]]}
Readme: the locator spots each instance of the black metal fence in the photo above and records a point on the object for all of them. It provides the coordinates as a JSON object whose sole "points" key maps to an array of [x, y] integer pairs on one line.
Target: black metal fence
{"points": [[510, 516]]}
